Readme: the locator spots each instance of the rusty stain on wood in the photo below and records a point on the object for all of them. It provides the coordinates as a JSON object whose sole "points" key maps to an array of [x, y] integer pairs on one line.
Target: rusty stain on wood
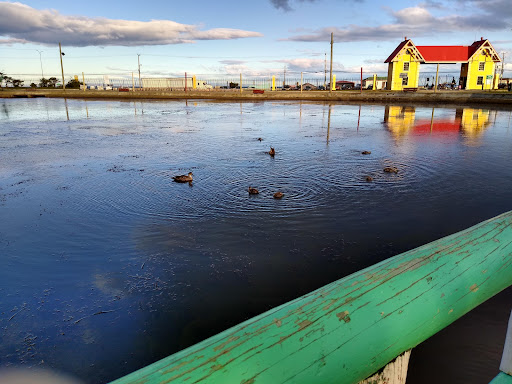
{"points": [[343, 316], [277, 322], [474, 288], [304, 324], [231, 339]]}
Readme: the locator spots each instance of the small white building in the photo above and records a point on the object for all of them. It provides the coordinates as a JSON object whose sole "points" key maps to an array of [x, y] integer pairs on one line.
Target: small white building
{"points": [[381, 82]]}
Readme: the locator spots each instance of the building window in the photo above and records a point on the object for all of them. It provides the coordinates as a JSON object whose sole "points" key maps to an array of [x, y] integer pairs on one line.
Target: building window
{"points": [[481, 66], [406, 66], [405, 80], [480, 80]]}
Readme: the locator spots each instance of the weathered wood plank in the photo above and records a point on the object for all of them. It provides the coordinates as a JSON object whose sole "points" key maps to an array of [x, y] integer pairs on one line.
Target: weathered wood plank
{"points": [[347, 330], [395, 372]]}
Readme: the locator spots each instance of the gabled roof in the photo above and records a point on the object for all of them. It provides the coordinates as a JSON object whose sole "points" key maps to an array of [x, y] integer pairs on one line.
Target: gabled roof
{"points": [[406, 45], [447, 53]]}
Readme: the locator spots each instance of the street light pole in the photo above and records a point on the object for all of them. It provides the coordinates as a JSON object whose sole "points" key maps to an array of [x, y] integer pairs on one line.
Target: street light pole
{"points": [[41, 62], [330, 75], [138, 60], [62, 67]]}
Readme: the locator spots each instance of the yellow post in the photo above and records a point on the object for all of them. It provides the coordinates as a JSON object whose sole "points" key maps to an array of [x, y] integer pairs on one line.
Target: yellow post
{"points": [[273, 82], [301, 82], [333, 82], [437, 74], [83, 81], [374, 82], [240, 83], [194, 82]]}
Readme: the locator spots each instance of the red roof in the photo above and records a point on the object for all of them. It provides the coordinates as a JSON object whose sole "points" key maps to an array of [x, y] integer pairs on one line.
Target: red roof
{"points": [[447, 53], [441, 54], [395, 52]]}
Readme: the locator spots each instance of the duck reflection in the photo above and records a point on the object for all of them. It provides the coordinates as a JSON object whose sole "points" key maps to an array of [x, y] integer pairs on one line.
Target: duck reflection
{"points": [[403, 121]]}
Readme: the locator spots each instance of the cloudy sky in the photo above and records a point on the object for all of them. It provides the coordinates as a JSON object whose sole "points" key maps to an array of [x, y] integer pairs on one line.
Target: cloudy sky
{"points": [[226, 37]]}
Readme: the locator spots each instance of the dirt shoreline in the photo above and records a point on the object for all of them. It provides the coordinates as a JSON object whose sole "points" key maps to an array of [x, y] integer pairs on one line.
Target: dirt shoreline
{"points": [[502, 98]]}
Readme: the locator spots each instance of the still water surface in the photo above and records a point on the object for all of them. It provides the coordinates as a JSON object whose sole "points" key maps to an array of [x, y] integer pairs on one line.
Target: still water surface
{"points": [[108, 265]]}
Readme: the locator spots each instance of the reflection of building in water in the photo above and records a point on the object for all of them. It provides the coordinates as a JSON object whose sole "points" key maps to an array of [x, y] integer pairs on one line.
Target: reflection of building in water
{"points": [[474, 121], [399, 119]]}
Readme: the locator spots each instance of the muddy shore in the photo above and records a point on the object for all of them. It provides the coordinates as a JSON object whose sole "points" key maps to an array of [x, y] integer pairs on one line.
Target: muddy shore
{"points": [[502, 98]]}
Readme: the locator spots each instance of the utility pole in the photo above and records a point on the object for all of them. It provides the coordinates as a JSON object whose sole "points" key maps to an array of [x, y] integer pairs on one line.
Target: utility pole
{"points": [[62, 67], [284, 78], [41, 61], [330, 72], [502, 64], [325, 70], [138, 60]]}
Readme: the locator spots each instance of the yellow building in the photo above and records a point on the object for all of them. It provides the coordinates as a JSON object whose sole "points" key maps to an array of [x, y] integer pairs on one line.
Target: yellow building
{"points": [[478, 64]]}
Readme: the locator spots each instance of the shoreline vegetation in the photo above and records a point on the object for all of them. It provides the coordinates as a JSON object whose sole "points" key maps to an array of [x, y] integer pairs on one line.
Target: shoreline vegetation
{"points": [[421, 96]]}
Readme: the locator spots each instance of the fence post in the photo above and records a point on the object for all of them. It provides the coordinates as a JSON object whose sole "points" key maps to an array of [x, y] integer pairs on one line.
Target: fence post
{"points": [[301, 82], [374, 81], [273, 82], [194, 82], [83, 81], [333, 82], [240, 83], [185, 81], [133, 83]]}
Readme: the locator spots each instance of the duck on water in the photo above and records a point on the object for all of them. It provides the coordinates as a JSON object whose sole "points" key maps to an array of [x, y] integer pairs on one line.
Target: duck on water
{"points": [[183, 178]]}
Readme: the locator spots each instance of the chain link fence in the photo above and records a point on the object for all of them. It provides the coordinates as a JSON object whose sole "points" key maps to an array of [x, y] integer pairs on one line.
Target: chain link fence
{"points": [[208, 82]]}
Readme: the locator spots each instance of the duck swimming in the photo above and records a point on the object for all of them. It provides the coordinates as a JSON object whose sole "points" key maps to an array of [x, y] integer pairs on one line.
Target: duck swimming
{"points": [[253, 191], [278, 195], [183, 178], [391, 170], [272, 151], [366, 153], [369, 178]]}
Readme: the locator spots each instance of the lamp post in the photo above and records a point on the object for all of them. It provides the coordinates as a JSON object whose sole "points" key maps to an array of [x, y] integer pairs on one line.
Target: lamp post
{"points": [[62, 67], [41, 62], [138, 61]]}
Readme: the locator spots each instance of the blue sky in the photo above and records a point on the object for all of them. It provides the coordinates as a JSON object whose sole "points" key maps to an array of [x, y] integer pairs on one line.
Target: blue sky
{"points": [[224, 37]]}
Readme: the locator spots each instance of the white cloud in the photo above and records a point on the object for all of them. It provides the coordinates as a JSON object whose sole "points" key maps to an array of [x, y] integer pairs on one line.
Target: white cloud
{"points": [[418, 21], [19, 21]]}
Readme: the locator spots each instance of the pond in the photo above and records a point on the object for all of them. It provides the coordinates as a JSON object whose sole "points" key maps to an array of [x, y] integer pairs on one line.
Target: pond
{"points": [[108, 265]]}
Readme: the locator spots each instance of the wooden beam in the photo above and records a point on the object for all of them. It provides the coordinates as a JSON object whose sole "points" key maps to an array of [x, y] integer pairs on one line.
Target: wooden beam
{"points": [[394, 372]]}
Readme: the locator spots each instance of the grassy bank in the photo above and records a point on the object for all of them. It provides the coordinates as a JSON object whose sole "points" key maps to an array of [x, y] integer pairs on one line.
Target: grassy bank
{"points": [[420, 97]]}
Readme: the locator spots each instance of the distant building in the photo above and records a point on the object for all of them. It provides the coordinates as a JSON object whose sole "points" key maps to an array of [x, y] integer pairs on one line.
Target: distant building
{"points": [[478, 64], [381, 82], [309, 87]]}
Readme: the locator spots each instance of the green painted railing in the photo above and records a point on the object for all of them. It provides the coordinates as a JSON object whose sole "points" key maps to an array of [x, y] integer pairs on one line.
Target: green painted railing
{"points": [[349, 329]]}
